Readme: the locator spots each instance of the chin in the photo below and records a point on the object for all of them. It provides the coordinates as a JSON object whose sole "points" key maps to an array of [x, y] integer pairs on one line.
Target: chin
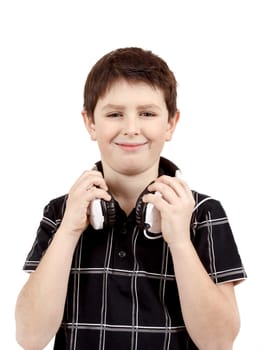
{"points": [[134, 167]]}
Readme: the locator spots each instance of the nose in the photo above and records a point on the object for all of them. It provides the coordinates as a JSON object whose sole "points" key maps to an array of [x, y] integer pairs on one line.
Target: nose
{"points": [[131, 125]]}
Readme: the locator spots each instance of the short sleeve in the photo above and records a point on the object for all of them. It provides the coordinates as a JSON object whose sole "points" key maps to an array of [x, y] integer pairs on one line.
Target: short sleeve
{"points": [[52, 216], [214, 242]]}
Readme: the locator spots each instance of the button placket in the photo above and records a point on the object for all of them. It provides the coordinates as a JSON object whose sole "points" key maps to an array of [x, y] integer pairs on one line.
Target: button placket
{"points": [[122, 253], [124, 229]]}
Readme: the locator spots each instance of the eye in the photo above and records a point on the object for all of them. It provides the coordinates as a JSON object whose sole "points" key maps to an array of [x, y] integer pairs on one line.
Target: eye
{"points": [[114, 115], [147, 114]]}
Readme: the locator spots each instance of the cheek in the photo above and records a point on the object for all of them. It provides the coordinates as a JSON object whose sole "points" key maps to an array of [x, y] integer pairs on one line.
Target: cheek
{"points": [[105, 135], [156, 133]]}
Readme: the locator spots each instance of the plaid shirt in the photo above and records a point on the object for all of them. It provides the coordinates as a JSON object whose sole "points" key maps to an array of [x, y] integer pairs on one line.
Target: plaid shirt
{"points": [[122, 291]]}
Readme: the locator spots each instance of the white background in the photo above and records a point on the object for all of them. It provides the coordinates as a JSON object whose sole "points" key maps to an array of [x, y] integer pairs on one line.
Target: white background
{"points": [[47, 48]]}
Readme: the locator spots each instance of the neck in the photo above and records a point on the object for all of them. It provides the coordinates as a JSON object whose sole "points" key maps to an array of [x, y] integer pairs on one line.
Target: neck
{"points": [[126, 188]]}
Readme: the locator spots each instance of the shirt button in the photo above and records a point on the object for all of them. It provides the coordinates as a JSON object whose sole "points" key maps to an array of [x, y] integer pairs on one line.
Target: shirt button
{"points": [[122, 254]]}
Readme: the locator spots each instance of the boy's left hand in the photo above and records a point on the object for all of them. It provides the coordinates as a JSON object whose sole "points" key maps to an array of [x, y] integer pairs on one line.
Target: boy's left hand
{"points": [[175, 206]]}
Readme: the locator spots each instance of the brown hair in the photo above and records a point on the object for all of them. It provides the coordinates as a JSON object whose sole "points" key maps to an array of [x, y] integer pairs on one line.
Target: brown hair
{"points": [[132, 64]]}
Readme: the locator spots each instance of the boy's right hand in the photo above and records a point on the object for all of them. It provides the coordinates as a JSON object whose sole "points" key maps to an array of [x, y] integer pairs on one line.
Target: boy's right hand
{"points": [[90, 185]]}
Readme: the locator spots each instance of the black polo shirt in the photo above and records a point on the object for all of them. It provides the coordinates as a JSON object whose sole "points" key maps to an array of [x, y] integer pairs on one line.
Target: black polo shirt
{"points": [[122, 291]]}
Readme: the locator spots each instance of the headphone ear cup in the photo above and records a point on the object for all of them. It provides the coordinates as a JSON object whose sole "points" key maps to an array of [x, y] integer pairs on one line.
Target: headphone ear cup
{"points": [[109, 212], [147, 216]]}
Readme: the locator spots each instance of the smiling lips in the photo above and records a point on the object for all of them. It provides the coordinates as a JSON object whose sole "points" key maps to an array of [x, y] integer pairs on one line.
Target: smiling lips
{"points": [[130, 146]]}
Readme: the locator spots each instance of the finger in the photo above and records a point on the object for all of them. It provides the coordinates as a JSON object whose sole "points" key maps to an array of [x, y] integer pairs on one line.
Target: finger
{"points": [[176, 183], [156, 200], [89, 179], [87, 173], [168, 179], [168, 190], [97, 193]]}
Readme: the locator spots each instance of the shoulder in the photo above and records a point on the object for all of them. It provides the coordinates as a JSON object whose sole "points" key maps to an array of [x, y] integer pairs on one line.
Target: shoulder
{"points": [[58, 201], [56, 207], [207, 206]]}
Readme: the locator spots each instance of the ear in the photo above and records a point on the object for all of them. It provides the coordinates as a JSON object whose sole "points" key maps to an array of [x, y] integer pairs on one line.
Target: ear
{"points": [[89, 124], [172, 123]]}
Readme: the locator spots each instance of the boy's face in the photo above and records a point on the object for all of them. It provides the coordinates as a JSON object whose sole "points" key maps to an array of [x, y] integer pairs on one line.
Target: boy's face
{"points": [[131, 126]]}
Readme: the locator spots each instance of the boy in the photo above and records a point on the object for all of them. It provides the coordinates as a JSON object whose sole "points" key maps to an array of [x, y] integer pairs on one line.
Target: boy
{"points": [[120, 285]]}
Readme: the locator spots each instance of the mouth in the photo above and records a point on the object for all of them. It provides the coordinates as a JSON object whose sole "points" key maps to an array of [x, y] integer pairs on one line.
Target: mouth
{"points": [[130, 146]]}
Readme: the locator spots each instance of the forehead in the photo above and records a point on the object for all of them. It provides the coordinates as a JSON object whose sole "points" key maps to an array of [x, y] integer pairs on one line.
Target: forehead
{"points": [[122, 89]]}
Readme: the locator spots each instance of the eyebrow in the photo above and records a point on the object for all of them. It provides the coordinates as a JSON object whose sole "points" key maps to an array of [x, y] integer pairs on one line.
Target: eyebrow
{"points": [[122, 107]]}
